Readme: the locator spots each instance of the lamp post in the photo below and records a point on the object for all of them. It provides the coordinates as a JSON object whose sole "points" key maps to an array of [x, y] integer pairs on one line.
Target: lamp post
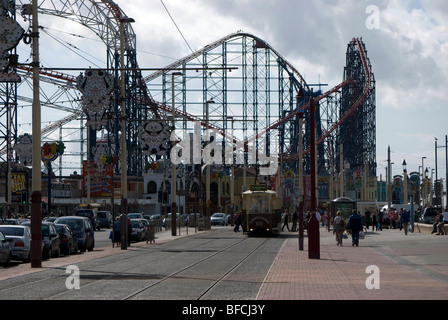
{"points": [[405, 189], [36, 198], [208, 158], [173, 165], [423, 183], [124, 164]]}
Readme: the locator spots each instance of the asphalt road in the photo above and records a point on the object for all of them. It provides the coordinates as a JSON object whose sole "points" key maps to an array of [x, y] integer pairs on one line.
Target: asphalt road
{"points": [[213, 265]]}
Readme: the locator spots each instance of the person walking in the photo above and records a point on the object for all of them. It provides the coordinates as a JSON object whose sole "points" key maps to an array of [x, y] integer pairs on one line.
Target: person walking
{"points": [[339, 227], [405, 218], [237, 222], [443, 219], [285, 219], [380, 219], [295, 218], [354, 223], [374, 222]]}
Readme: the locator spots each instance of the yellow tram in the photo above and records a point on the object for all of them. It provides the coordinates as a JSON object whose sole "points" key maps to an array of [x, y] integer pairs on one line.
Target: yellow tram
{"points": [[261, 211]]}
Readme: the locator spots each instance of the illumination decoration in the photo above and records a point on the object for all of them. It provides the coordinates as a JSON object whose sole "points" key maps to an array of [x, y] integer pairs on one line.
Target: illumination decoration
{"points": [[96, 87], [51, 151], [24, 149], [10, 34], [155, 135]]}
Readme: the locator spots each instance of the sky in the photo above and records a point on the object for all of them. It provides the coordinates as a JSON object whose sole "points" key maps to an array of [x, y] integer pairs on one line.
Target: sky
{"points": [[406, 41]]}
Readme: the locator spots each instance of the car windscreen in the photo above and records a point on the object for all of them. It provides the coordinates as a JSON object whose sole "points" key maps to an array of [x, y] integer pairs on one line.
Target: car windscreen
{"points": [[72, 223], [8, 231]]}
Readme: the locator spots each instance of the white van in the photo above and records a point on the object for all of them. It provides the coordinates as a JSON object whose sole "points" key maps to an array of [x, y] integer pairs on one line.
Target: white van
{"points": [[397, 207]]}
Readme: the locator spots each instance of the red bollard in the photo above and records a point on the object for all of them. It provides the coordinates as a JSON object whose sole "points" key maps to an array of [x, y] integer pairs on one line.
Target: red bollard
{"points": [[313, 238]]}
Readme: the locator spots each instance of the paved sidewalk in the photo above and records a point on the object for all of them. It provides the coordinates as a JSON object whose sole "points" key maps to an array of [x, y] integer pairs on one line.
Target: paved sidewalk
{"points": [[409, 267]]}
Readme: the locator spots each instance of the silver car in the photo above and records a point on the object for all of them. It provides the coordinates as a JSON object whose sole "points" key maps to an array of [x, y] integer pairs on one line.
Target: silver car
{"points": [[19, 237], [5, 251]]}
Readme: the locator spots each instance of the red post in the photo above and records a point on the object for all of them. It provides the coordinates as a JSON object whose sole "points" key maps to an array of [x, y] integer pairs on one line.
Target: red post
{"points": [[313, 224], [313, 238], [36, 230]]}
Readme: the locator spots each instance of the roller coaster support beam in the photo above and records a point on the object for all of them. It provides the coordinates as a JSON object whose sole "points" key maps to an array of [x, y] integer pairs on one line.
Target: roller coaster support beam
{"points": [[36, 197], [313, 224]]}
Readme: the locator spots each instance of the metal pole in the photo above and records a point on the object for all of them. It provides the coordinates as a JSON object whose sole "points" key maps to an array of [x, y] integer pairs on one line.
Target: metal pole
{"points": [[124, 161], [36, 198], [173, 165]]}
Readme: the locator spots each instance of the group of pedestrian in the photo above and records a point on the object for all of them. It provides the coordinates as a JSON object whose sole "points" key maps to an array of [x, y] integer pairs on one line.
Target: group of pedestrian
{"points": [[440, 221], [354, 224]]}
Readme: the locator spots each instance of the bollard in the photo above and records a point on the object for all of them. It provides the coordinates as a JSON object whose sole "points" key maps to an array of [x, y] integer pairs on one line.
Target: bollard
{"points": [[124, 231], [150, 236], [313, 238]]}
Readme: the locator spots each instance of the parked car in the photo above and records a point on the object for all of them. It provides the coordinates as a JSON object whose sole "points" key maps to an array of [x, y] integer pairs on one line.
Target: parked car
{"points": [[69, 242], [194, 219], [5, 250], [218, 218], [50, 240], [135, 216], [92, 215], [11, 221], [82, 228], [167, 221], [138, 230], [155, 217], [19, 237], [429, 215], [49, 219], [105, 219]]}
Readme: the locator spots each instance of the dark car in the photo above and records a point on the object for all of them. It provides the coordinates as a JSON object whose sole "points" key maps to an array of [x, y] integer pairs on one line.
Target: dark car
{"points": [[105, 219], [429, 215], [83, 230], [50, 240], [5, 251], [92, 215], [69, 243]]}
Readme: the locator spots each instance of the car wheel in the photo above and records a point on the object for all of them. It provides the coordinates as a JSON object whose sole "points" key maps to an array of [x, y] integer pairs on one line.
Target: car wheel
{"points": [[7, 262]]}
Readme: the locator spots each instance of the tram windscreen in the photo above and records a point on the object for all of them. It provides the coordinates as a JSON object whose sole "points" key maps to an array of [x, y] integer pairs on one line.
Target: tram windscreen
{"points": [[259, 204]]}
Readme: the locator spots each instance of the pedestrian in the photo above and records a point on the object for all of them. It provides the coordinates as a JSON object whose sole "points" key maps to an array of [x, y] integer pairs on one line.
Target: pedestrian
{"points": [[117, 236], [380, 219], [354, 223], [367, 214], [438, 218], [339, 227], [405, 218], [295, 218], [374, 221], [237, 222], [285, 219], [443, 219]]}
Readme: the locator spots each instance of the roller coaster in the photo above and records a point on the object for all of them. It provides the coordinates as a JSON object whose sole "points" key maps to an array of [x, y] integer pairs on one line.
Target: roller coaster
{"points": [[254, 89]]}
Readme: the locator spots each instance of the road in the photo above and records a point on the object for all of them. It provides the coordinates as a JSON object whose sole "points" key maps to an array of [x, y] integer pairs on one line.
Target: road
{"points": [[223, 265], [217, 265]]}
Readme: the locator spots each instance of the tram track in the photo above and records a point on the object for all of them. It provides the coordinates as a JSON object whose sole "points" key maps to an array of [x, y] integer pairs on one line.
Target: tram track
{"points": [[196, 263], [197, 269]]}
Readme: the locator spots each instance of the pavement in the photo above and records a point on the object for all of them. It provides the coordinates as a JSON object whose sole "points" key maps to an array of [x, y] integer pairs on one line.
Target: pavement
{"points": [[387, 265]]}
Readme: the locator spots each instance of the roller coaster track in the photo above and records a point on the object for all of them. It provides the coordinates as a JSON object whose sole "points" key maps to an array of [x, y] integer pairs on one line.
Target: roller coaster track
{"points": [[156, 107]]}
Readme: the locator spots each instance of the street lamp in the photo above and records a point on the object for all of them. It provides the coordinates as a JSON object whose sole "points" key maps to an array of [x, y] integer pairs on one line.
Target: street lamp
{"points": [[405, 176], [208, 159], [124, 164], [173, 165]]}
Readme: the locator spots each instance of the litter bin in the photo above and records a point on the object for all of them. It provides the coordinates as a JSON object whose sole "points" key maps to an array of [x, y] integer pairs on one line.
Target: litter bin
{"points": [[150, 233]]}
